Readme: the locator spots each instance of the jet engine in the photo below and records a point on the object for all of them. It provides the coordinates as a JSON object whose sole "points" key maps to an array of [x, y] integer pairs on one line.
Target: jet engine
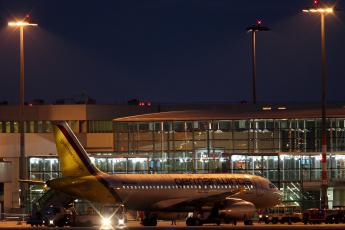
{"points": [[236, 209]]}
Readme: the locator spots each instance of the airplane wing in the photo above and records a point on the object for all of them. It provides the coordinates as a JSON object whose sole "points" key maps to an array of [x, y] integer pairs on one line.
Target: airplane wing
{"points": [[183, 202]]}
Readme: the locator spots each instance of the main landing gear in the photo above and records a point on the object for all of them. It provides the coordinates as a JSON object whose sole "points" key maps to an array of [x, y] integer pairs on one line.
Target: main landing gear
{"points": [[193, 221], [149, 220]]}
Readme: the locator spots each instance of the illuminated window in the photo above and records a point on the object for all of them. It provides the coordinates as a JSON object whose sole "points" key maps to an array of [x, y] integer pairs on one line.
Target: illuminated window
{"points": [[8, 127], [47, 127], [100, 126], [31, 128], [40, 126], [15, 126]]}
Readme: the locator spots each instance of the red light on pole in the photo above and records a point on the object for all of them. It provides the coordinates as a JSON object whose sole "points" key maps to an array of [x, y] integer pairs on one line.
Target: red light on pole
{"points": [[258, 22], [316, 3]]}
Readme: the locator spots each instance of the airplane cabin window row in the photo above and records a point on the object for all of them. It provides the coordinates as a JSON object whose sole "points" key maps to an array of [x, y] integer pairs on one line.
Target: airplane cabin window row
{"points": [[250, 187]]}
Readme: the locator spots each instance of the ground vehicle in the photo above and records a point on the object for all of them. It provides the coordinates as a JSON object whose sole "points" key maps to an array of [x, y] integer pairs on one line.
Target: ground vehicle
{"points": [[51, 216], [86, 215], [327, 216], [283, 214]]}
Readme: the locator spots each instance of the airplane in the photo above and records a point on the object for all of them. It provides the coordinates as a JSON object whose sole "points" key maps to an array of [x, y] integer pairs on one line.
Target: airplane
{"points": [[224, 197]]}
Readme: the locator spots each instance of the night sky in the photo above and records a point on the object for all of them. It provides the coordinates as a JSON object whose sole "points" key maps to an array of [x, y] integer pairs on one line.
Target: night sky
{"points": [[170, 50]]}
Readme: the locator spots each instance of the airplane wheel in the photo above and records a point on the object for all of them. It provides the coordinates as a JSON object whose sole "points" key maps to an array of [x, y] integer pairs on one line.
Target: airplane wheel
{"points": [[227, 220], [150, 221], [190, 221], [154, 222], [248, 222], [198, 222]]}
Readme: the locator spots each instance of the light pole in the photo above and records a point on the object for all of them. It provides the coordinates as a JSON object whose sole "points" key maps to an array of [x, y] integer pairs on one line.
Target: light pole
{"points": [[22, 161], [322, 11], [253, 29]]}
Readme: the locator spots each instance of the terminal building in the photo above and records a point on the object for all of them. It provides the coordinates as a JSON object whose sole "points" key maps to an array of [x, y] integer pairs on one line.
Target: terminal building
{"points": [[281, 143]]}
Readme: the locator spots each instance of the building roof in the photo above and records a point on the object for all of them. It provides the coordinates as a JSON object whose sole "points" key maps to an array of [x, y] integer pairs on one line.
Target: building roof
{"points": [[230, 114], [71, 112]]}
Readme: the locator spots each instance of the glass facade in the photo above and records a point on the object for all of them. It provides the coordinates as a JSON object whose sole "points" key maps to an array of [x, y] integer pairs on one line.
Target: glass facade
{"points": [[286, 151]]}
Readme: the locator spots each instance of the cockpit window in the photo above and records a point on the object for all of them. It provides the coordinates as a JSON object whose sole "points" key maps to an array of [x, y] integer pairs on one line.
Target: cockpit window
{"points": [[271, 186]]}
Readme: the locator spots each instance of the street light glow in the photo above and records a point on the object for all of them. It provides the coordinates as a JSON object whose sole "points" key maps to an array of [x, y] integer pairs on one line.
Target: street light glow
{"points": [[21, 24], [328, 10]]}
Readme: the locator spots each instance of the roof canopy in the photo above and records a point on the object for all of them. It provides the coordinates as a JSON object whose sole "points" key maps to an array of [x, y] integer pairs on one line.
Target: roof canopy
{"points": [[195, 115]]}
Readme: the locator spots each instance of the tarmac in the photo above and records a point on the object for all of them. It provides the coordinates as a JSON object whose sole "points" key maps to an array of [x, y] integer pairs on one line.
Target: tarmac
{"points": [[165, 225]]}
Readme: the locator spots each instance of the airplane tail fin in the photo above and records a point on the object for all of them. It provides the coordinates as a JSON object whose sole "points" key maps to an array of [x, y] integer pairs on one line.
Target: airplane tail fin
{"points": [[73, 158]]}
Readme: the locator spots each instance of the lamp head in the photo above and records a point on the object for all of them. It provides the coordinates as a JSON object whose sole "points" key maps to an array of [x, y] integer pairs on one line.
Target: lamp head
{"points": [[21, 24], [322, 10], [258, 27]]}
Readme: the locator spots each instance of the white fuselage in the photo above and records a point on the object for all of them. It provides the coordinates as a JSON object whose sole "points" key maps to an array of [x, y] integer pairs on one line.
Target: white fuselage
{"points": [[163, 192]]}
